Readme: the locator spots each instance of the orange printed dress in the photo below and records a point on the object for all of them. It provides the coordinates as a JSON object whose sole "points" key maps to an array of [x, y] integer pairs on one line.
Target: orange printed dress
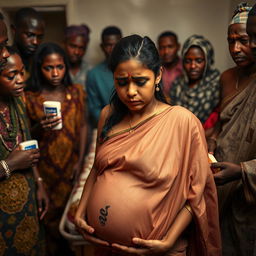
{"points": [[145, 177], [58, 148]]}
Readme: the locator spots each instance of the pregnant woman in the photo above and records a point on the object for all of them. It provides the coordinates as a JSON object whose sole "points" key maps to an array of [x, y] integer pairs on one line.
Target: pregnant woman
{"points": [[150, 190]]}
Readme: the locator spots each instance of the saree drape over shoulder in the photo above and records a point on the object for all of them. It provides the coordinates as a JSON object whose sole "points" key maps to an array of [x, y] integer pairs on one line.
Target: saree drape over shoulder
{"points": [[145, 177], [237, 143]]}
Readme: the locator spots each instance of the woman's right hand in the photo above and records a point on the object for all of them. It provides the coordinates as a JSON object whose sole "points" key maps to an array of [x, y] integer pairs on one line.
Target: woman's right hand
{"points": [[49, 121], [87, 232], [22, 159]]}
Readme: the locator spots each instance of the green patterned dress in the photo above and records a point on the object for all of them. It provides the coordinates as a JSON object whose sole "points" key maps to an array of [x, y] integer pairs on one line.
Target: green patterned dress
{"points": [[20, 232]]}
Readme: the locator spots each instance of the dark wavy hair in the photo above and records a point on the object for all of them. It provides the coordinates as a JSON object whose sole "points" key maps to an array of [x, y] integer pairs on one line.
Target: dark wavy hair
{"points": [[36, 81], [131, 47]]}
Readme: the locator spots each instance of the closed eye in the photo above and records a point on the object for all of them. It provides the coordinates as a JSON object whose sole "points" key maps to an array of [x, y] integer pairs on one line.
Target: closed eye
{"points": [[60, 66], [47, 68], [122, 81], [140, 81]]}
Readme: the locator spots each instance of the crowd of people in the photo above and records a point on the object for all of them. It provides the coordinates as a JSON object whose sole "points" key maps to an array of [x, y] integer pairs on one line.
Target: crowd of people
{"points": [[153, 189]]}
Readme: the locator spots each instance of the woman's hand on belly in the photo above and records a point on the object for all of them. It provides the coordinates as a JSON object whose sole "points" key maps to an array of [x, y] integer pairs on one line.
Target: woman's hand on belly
{"points": [[87, 232], [146, 247]]}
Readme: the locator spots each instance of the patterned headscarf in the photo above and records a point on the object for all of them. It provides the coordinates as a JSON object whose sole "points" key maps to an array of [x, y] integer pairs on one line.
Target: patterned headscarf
{"points": [[77, 30], [204, 96], [240, 14]]}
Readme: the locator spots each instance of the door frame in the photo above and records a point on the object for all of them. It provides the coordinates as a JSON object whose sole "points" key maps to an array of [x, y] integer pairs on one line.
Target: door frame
{"points": [[68, 4]]}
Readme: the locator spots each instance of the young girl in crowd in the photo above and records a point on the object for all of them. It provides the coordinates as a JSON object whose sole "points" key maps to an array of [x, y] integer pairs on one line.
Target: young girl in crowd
{"points": [[198, 89], [151, 172], [20, 232], [62, 151]]}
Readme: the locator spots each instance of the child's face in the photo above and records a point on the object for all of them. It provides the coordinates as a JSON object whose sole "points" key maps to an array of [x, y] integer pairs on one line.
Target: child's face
{"points": [[53, 69], [12, 77]]}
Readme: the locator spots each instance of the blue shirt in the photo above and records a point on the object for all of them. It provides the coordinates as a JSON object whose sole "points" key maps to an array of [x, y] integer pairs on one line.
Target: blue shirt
{"points": [[100, 85], [80, 76]]}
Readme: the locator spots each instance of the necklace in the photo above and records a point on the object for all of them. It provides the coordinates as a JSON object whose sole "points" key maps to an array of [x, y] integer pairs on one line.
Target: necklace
{"points": [[2, 117], [132, 128], [6, 146], [11, 127]]}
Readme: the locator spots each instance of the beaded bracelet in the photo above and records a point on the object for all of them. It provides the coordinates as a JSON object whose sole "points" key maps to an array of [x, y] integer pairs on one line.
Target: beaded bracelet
{"points": [[6, 169]]}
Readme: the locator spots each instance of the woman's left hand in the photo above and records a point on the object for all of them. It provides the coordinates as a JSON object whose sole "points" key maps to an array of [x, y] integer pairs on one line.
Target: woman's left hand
{"points": [[229, 172], [42, 200], [148, 247]]}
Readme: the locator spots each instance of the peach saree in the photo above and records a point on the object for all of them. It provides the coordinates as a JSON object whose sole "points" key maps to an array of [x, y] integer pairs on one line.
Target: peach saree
{"points": [[145, 177]]}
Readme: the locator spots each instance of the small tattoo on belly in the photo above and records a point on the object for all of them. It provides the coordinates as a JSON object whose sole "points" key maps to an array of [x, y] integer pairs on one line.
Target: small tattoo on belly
{"points": [[103, 215]]}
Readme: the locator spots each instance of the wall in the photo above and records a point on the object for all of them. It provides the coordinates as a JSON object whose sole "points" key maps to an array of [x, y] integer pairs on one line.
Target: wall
{"points": [[54, 31], [150, 17]]}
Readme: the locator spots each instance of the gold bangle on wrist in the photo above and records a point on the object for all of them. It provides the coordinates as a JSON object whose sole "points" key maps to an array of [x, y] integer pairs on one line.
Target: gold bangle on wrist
{"points": [[188, 207], [6, 169]]}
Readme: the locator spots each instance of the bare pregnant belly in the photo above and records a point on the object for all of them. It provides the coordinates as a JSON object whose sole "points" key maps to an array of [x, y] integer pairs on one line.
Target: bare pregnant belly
{"points": [[119, 209]]}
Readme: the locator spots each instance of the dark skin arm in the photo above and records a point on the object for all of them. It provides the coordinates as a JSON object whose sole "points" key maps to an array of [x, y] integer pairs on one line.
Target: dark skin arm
{"points": [[20, 159], [229, 172], [212, 134], [212, 137], [42, 198]]}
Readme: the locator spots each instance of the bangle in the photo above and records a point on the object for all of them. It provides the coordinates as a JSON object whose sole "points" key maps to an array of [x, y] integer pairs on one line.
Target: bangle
{"points": [[39, 179], [6, 169], [188, 207]]}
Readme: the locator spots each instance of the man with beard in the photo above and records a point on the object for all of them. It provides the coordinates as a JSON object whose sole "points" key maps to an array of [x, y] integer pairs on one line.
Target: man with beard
{"points": [[28, 29]]}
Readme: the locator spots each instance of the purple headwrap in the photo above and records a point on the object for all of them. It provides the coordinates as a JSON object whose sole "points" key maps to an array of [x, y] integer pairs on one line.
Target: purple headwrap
{"points": [[77, 30]]}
